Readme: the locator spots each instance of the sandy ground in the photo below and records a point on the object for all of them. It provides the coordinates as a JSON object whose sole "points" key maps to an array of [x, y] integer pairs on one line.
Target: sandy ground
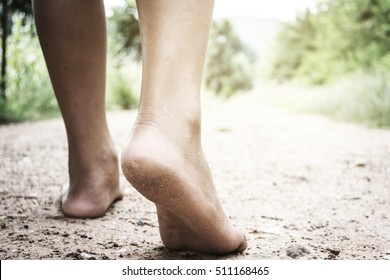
{"points": [[300, 187]]}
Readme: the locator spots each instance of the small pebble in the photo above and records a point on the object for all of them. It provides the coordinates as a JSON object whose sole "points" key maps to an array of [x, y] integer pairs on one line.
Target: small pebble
{"points": [[86, 256], [335, 252], [296, 251], [122, 250]]}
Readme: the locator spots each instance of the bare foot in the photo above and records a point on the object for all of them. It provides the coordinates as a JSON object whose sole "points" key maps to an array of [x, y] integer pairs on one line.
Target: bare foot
{"points": [[94, 185], [177, 179]]}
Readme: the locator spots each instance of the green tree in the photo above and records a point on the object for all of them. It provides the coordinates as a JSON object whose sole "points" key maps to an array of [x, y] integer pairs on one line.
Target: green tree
{"points": [[295, 41], [125, 49], [7, 9], [229, 61], [125, 31], [340, 37], [29, 91]]}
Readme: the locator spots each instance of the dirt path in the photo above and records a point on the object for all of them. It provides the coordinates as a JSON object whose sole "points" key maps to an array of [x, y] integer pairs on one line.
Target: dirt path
{"points": [[300, 186]]}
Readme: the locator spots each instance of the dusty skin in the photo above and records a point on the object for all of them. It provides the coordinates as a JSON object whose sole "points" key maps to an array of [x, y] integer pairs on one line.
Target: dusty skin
{"points": [[287, 181], [179, 181], [91, 201]]}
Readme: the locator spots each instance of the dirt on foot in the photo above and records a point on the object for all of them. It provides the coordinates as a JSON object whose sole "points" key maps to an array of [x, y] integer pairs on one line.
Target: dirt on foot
{"points": [[299, 186]]}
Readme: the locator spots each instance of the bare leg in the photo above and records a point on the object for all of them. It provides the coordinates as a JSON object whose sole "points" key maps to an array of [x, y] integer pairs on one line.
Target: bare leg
{"points": [[164, 159], [73, 39]]}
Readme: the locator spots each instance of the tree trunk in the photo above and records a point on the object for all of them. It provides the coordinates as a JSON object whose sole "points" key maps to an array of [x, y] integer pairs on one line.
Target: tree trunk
{"points": [[4, 27]]}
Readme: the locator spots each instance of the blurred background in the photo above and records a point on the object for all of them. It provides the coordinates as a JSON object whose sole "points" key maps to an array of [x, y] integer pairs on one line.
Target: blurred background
{"points": [[328, 57]]}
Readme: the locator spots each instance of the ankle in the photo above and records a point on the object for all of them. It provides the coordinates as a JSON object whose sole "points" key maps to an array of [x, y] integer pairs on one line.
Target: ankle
{"points": [[92, 160], [178, 124]]}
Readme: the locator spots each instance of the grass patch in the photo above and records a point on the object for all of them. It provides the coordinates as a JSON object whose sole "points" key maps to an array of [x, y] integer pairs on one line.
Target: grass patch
{"points": [[122, 90], [361, 98], [29, 92]]}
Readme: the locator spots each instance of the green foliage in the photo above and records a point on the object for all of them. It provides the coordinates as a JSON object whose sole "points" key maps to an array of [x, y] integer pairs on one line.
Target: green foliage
{"points": [[341, 36], [15, 7], [29, 92], [229, 64], [22, 7], [122, 90], [9, 8], [124, 56], [125, 32], [358, 97]]}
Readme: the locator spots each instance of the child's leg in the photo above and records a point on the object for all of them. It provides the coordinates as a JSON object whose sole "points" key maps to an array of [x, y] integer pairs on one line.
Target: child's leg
{"points": [[164, 159], [73, 39]]}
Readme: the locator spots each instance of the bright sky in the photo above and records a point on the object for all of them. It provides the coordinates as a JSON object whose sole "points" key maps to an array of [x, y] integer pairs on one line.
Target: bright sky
{"points": [[278, 9]]}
